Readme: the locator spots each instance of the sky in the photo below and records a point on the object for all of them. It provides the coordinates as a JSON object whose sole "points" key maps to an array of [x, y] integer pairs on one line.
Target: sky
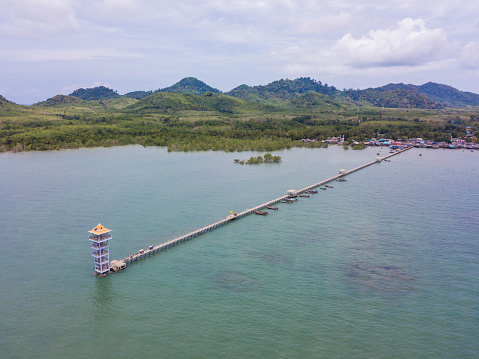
{"points": [[51, 47]]}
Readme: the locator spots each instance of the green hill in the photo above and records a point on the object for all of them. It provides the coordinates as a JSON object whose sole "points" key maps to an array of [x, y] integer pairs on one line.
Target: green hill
{"points": [[427, 96], [312, 100], [59, 100], [190, 85], [74, 105], [281, 90], [444, 94], [283, 93], [138, 95], [171, 102], [4, 102], [392, 97], [95, 93], [449, 95]]}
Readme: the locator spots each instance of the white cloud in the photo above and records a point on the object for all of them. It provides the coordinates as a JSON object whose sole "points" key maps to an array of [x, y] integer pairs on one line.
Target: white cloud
{"points": [[323, 24], [147, 41], [470, 56], [119, 7], [37, 55], [37, 17], [410, 43]]}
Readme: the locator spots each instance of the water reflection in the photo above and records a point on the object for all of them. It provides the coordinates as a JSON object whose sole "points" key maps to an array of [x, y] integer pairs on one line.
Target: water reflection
{"points": [[378, 278], [234, 281], [103, 298], [274, 257]]}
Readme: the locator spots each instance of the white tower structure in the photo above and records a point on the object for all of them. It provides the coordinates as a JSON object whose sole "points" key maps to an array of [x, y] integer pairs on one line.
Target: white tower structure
{"points": [[100, 236]]}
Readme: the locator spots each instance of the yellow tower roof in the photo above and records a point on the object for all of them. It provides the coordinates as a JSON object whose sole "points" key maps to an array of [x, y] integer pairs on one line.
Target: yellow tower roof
{"points": [[99, 229]]}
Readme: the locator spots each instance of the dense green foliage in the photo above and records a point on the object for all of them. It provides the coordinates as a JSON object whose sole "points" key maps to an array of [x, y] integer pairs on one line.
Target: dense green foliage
{"points": [[96, 93], [449, 95], [138, 95], [443, 94], [313, 99], [60, 100], [182, 129], [282, 90], [173, 102], [267, 158], [396, 98], [4, 101], [427, 96], [308, 113], [190, 85]]}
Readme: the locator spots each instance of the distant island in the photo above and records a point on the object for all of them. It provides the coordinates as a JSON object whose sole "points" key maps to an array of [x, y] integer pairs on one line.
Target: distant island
{"points": [[192, 116]]}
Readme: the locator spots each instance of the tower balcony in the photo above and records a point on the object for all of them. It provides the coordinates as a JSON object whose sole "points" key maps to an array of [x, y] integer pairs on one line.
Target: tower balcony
{"points": [[101, 260], [100, 269], [100, 238], [99, 245], [98, 253]]}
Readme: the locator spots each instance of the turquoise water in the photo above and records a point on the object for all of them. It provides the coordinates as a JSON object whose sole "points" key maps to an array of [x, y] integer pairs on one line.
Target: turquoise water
{"points": [[384, 265]]}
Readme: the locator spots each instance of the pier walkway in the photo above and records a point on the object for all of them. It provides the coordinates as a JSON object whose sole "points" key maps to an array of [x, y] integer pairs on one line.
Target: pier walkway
{"points": [[154, 249]]}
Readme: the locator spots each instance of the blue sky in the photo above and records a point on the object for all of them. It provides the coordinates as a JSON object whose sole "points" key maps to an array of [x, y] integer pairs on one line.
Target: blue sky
{"points": [[48, 47]]}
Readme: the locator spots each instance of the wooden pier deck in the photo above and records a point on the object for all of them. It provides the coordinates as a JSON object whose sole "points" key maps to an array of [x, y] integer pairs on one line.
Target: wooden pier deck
{"points": [[188, 236]]}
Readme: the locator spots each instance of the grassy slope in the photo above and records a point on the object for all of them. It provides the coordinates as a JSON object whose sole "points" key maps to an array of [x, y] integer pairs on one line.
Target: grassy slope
{"points": [[172, 102]]}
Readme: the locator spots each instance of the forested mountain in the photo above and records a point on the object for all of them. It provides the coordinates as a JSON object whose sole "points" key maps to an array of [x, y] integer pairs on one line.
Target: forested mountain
{"points": [[444, 94], [59, 100], [281, 90], [5, 102], [284, 114], [449, 95], [287, 92], [190, 85], [138, 95], [392, 98], [170, 102], [312, 100], [95, 93]]}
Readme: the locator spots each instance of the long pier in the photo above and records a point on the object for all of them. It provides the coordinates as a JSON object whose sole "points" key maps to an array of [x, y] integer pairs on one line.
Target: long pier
{"points": [[120, 264]]}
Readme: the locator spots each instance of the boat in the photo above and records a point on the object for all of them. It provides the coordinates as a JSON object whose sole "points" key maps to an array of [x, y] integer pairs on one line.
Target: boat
{"points": [[304, 195], [326, 185], [262, 213], [323, 188], [286, 201], [311, 191], [272, 207], [341, 180]]}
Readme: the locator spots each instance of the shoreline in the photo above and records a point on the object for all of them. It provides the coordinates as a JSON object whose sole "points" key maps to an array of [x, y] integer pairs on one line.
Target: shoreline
{"points": [[474, 147]]}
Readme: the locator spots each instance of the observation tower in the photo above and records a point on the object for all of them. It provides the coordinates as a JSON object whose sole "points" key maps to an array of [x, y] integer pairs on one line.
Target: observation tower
{"points": [[100, 236]]}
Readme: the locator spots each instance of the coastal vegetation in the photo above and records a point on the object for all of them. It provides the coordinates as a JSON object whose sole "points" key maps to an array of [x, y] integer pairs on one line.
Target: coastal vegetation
{"points": [[267, 158], [284, 114]]}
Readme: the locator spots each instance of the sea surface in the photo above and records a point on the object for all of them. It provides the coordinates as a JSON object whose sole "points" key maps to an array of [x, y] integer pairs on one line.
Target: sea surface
{"points": [[385, 265]]}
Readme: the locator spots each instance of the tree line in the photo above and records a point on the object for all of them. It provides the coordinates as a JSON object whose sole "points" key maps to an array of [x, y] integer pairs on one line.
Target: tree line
{"points": [[229, 134]]}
